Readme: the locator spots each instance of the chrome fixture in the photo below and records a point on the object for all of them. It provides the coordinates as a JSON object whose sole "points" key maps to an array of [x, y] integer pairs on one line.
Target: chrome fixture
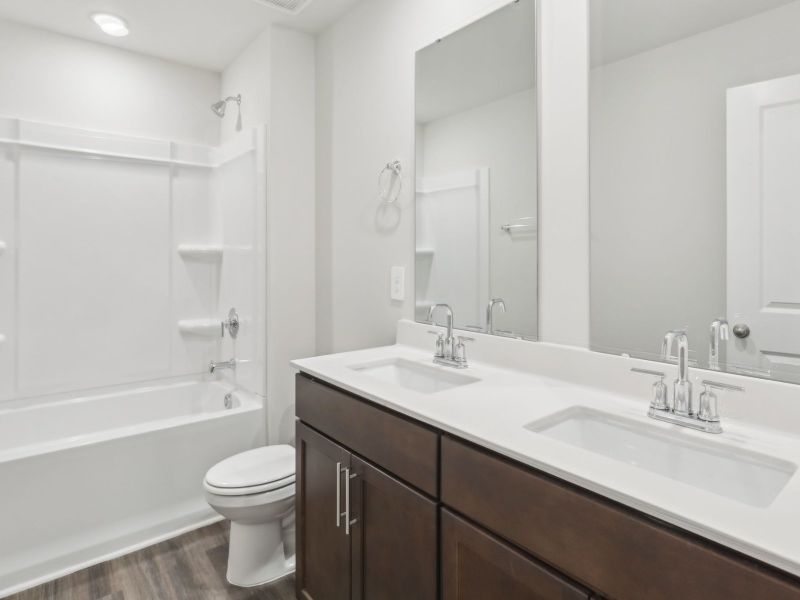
{"points": [[450, 351], [348, 522], [228, 401], [214, 366], [221, 107], [490, 313], [741, 331], [231, 324], [720, 332], [389, 193], [708, 411], [706, 417], [660, 399], [682, 403], [523, 224]]}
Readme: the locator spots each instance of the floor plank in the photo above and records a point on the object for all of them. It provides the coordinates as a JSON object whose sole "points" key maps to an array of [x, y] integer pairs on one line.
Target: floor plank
{"points": [[189, 567]]}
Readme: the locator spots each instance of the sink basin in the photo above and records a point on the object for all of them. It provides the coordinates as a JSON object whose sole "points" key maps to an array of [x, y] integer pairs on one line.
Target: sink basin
{"points": [[747, 477], [411, 375]]}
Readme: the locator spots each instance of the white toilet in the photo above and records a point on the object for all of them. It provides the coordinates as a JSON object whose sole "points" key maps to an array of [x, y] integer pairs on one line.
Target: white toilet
{"points": [[255, 490]]}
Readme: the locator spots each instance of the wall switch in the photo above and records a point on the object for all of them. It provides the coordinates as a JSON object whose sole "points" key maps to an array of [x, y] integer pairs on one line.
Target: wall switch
{"points": [[398, 283]]}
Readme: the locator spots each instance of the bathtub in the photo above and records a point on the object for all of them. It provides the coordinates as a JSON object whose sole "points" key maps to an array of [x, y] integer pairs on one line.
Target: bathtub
{"points": [[85, 479]]}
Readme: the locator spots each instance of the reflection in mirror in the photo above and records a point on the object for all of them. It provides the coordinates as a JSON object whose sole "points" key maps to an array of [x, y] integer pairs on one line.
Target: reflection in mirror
{"points": [[695, 159], [476, 161]]}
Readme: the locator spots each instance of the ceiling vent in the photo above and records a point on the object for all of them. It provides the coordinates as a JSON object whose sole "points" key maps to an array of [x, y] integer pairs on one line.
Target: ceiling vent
{"points": [[293, 7]]}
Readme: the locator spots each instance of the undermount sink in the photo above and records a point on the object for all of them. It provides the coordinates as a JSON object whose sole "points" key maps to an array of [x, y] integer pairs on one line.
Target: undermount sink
{"points": [[748, 477], [414, 376]]}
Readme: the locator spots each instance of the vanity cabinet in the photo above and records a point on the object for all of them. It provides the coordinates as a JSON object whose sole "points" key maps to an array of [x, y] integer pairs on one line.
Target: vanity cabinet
{"points": [[389, 548], [433, 516], [476, 566]]}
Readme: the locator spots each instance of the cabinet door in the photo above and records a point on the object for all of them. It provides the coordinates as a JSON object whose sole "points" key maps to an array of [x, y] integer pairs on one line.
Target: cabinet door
{"points": [[477, 566], [323, 548], [394, 540]]}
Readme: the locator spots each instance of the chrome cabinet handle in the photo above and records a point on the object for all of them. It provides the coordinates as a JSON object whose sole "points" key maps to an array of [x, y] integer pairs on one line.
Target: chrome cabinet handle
{"points": [[347, 521], [338, 494]]}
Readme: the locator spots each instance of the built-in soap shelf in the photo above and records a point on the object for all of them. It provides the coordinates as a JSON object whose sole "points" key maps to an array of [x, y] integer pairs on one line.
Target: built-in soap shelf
{"points": [[425, 252], [3, 247], [2, 339], [205, 252], [207, 328]]}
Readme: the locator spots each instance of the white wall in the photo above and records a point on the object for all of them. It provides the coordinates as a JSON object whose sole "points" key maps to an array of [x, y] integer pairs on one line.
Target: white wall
{"points": [[658, 179], [564, 171], [276, 77], [365, 111], [290, 223], [56, 79], [248, 75], [500, 135]]}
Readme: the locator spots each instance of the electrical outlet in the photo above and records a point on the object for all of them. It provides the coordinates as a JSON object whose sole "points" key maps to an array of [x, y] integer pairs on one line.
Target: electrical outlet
{"points": [[398, 283]]}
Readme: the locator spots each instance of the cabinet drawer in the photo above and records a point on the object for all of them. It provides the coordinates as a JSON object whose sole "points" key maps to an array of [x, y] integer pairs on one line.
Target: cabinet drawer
{"points": [[405, 449], [613, 550], [476, 566]]}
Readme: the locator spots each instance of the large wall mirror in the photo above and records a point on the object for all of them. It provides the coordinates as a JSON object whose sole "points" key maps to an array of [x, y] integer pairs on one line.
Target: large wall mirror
{"points": [[476, 174], [695, 181]]}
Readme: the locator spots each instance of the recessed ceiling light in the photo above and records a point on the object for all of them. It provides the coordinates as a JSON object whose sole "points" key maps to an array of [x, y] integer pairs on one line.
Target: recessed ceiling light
{"points": [[111, 24]]}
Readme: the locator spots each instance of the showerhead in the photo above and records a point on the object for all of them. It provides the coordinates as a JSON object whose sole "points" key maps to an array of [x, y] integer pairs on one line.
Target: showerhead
{"points": [[220, 107]]}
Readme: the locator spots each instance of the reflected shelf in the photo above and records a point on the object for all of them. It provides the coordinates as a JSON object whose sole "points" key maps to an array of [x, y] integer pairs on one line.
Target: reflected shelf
{"points": [[205, 252], [207, 328]]}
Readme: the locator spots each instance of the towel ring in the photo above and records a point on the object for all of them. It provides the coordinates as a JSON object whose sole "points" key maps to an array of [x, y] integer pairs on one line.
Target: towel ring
{"points": [[395, 170]]}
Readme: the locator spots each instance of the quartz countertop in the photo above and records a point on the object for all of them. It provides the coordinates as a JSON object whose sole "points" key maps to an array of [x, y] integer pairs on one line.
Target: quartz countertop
{"points": [[493, 412]]}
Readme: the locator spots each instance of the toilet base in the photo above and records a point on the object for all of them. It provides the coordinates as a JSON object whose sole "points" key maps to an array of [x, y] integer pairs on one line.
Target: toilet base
{"points": [[256, 554]]}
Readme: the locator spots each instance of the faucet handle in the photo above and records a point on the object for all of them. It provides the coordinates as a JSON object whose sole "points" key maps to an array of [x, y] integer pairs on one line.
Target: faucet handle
{"points": [[460, 354], [660, 399], [709, 406], [439, 343]]}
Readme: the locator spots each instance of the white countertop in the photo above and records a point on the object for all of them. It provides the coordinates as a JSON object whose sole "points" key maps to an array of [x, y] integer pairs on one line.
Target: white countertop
{"points": [[493, 413]]}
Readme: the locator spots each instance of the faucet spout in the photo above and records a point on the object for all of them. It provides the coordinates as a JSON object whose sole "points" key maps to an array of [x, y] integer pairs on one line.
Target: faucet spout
{"points": [[490, 312], [684, 403], [214, 366]]}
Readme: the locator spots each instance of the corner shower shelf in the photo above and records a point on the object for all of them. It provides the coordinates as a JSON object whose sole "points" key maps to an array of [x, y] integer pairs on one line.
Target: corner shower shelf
{"points": [[207, 328], [2, 339], [206, 252], [3, 247], [425, 252]]}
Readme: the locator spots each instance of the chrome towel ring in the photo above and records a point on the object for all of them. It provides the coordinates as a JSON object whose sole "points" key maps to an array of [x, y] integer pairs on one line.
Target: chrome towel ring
{"points": [[391, 191]]}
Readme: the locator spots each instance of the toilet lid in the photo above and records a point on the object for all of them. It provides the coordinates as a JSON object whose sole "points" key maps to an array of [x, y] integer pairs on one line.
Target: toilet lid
{"points": [[254, 468]]}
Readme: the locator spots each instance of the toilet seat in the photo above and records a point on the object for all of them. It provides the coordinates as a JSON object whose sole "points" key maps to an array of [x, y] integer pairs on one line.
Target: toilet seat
{"points": [[253, 472]]}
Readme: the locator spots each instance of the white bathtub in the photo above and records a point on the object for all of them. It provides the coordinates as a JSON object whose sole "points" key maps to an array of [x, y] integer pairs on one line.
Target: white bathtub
{"points": [[86, 479]]}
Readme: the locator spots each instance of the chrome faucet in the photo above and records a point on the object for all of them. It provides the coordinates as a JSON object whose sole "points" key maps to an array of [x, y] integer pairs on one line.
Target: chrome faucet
{"points": [[450, 350], [218, 366], [681, 409], [683, 403], [490, 313], [720, 331]]}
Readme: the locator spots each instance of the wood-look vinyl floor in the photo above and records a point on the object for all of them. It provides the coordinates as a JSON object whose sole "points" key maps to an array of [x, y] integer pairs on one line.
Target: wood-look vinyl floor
{"points": [[189, 567]]}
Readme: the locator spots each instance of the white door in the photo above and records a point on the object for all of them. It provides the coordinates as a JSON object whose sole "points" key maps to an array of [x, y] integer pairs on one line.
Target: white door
{"points": [[764, 224]]}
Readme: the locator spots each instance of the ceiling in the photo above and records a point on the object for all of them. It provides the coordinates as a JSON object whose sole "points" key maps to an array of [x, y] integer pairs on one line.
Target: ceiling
{"points": [[202, 33], [486, 61], [623, 28]]}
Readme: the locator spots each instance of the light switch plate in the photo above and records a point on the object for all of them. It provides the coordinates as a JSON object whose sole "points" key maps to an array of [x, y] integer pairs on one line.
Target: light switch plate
{"points": [[398, 283]]}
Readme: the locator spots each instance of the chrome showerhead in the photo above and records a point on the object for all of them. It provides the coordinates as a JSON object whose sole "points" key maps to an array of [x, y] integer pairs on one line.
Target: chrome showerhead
{"points": [[220, 107]]}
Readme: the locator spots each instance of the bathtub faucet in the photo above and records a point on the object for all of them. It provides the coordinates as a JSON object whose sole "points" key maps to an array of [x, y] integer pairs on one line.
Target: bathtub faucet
{"points": [[229, 364]]}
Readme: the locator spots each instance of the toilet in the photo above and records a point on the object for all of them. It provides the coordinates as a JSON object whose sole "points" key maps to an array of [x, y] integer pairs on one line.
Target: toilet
{"points": [[255, 490]]}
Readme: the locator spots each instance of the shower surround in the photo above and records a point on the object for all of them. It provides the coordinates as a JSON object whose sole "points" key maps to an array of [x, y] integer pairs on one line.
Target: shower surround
{"points": [[107, 243]]}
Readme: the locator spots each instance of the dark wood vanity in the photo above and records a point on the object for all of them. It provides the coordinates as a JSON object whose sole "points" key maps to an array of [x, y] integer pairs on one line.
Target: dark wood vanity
{"points": [[424, 515]]}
